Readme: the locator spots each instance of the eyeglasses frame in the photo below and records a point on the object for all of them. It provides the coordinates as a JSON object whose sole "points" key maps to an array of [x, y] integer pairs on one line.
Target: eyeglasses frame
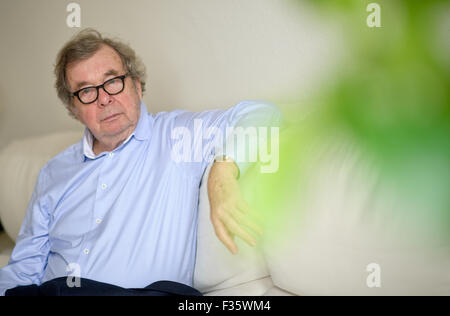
{"points": [[122, 77]]}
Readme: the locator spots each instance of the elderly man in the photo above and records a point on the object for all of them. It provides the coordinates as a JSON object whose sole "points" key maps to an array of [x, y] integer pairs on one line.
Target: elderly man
{"points": [[117, 205]]}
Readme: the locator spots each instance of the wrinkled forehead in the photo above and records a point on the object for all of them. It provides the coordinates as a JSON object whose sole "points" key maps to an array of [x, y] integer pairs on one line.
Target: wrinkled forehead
{"points": [[104, 63]]}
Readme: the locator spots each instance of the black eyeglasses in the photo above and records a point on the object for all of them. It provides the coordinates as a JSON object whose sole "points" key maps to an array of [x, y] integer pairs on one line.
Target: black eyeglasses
{"points": [[112, 86]]}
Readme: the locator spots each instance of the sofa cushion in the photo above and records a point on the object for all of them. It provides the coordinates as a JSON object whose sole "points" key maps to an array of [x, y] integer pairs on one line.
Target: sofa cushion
{"points": [[346, 230], [256, 287]]}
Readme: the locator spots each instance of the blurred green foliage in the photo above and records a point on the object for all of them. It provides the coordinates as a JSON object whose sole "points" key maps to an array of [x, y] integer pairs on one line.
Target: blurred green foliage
{"points": [[392, 100]]}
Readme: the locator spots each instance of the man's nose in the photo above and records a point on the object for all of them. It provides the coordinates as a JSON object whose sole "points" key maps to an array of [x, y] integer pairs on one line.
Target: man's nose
{"points": [[103, 97]]}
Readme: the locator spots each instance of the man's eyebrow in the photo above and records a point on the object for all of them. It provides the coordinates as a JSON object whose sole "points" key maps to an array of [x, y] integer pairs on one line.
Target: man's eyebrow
{"points": [[110, 72]]}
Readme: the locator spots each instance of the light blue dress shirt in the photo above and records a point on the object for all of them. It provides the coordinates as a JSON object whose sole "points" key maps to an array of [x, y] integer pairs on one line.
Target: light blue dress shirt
{"points": [[126, 217]]}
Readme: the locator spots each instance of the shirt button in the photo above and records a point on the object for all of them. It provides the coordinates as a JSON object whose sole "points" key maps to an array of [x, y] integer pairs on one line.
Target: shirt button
{"points": [[111, 154], [98, 220], [86, 251], [104, 186]]}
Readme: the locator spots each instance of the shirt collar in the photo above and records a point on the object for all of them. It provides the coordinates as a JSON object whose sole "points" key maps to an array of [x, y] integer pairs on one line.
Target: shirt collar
{"points": [[141, 132]]}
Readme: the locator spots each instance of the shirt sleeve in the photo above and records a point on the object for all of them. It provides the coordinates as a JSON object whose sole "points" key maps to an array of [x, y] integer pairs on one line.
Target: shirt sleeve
{"points": [[253, 136], [238, 132], [29, 257]]}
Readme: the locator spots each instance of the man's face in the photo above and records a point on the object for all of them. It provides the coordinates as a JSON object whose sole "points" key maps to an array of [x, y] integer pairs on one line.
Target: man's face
{"points": [[110, 116]]}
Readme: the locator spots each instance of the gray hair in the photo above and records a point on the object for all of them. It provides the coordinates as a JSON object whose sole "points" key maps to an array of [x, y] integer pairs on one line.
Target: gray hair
{"points": [[85, 44]]}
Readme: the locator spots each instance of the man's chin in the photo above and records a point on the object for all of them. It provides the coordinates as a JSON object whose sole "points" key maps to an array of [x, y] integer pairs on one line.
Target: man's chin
{"points": [[117, 131]]}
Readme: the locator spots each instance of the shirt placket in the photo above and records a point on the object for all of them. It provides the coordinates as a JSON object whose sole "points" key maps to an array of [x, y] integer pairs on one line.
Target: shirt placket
{"points": [[101, 205]]}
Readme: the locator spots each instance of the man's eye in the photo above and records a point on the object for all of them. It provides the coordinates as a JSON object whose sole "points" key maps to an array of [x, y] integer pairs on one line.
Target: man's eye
{"points": [[87, 91], [112, 81]]}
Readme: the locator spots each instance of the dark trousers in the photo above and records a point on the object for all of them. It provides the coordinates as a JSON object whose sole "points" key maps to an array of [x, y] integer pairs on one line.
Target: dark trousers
{"points": [[59, 287]]}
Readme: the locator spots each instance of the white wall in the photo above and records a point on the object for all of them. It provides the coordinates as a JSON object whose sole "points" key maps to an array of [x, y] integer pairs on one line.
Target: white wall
{"points": [[200, 54]]}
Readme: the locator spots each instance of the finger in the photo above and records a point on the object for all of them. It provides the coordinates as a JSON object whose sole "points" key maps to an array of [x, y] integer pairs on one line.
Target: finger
{"points": [[243, 219], [224, 236], [236, 229], [246, 209]]}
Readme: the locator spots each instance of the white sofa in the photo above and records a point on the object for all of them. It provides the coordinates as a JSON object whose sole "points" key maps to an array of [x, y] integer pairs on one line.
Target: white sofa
{"points": [[332, 252]]}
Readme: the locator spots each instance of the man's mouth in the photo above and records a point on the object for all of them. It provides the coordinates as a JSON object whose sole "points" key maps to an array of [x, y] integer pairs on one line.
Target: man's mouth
{"points": [[111, 117]]}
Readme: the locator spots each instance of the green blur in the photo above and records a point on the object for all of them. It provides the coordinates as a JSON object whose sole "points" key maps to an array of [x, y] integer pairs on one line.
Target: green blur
{"points": [[391, 102]]}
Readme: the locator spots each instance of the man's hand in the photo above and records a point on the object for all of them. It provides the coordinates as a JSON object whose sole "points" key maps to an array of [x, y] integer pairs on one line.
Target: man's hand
{"points": [[229, 212]]}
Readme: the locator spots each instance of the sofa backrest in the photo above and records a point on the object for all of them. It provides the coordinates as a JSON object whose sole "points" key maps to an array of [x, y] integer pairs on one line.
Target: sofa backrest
{"points": [[20, 162]]}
